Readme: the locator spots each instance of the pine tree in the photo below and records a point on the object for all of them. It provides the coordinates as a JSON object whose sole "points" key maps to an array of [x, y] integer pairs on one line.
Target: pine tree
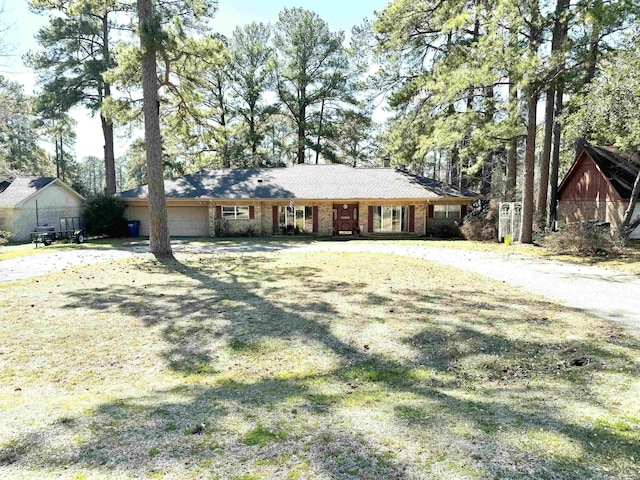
{"points": [[310, 66], [75, 53]]}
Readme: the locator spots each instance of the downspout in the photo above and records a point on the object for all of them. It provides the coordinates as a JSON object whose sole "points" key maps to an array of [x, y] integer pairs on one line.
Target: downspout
{"points": [[37, 217]]}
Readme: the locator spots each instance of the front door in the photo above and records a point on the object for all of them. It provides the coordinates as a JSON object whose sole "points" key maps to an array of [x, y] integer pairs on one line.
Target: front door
{"points": [[345, 219]]}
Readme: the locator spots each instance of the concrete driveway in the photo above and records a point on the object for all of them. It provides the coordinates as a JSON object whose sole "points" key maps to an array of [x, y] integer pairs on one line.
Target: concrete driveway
{"points": [[40, 264], [601, 293]]}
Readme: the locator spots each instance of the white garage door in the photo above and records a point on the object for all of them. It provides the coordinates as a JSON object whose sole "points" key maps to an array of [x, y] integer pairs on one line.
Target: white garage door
{"points": [[188, 221], [183, 221]]}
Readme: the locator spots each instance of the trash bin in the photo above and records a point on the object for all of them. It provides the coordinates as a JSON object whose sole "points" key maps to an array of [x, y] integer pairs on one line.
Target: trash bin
{"points": [[134, 228]]}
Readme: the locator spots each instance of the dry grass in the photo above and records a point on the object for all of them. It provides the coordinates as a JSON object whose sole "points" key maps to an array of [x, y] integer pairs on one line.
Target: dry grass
{"points": [[25, 249], [308, 366]]}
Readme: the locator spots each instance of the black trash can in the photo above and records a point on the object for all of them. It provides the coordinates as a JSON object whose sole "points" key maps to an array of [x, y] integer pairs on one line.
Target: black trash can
{"points": [[134, 228]]}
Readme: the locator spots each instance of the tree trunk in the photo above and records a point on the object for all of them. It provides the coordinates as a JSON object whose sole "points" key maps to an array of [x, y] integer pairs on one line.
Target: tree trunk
{"points": [[592, 55], [226, 161], [253, 136], [526, 235], [627, 226], [512, 170], [302, 134], [63, 167], [489, 164], [543, 187], [107, 126], [320, 132], [455, 167], [486, 173], [555, 160], [57, 158], [159, 241], [109, 156], [532, 95], [557, 42]]}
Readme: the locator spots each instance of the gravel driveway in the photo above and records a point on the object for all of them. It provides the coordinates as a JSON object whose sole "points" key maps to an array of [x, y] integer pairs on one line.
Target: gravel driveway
{"points": [[34, 265], [602, 293]]}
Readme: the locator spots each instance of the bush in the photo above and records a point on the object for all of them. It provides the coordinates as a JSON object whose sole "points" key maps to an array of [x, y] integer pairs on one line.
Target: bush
{"points": [[4, 237], [223, 229], [482, 225], [444, 230], [479, 229], [587, 239], [103, 214], [290, 230]]}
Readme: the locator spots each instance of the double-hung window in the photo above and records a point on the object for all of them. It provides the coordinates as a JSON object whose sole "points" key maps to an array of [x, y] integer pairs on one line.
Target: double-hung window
{"points": [[235, 213], [452, 212]]}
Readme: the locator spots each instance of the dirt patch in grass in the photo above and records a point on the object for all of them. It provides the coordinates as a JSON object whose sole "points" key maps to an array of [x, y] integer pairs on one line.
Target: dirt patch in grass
{"points": [[308, 365]]}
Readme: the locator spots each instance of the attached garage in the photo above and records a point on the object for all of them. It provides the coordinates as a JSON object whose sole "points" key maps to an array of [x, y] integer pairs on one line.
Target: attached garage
{"points": [[188, 221], [183, 220]]}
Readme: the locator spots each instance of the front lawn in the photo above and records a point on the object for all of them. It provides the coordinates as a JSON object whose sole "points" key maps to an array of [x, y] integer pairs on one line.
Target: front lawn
{"points": [[304, 366], [24, 249]]}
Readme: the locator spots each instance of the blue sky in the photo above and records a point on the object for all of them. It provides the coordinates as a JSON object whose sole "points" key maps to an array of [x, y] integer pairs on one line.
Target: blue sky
{"points": [[23, 25]]}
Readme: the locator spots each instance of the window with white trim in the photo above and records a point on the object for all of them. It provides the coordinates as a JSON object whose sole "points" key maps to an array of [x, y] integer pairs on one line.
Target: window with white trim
{"points": [[390, 219], [452, 212], [235, 213]]}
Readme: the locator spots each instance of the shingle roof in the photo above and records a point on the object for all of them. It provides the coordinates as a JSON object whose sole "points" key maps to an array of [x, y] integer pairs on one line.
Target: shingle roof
{"points": [[304, 181], [21, 188], [620, 170]]}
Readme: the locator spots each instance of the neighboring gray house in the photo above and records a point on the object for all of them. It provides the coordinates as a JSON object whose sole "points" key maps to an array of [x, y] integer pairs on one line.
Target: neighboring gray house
{"points": [[28, 202], [319, 199]]}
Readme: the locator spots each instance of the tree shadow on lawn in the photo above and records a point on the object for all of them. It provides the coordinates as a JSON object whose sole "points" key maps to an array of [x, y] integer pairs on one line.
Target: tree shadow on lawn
{"points": [[232, 313]]}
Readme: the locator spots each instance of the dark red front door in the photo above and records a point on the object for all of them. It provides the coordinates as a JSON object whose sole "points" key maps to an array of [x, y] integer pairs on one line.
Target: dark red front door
{"points": [[345, 218]]}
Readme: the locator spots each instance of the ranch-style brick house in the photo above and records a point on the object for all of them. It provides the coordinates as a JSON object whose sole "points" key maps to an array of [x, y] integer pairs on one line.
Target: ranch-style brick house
{"points": [[316, 199], [598, 187]]}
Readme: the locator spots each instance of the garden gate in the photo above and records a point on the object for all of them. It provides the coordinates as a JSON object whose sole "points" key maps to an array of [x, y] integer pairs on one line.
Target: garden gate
{"points": [[510, 222]]}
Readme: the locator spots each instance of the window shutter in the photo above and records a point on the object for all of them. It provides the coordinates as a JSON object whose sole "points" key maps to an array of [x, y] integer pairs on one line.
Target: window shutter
{"points": [[218, 211], [275, 219], [370, 219], [252, 212], [430, 211], [315, 219], [412, 218], [463, 211]]}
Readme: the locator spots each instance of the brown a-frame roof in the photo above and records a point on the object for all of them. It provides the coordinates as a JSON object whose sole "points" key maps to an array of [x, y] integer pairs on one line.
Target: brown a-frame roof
{"points": [[618, 168]]}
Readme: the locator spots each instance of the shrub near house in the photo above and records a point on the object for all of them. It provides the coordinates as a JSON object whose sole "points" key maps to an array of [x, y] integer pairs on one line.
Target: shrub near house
{"points": [[104, 215]]}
